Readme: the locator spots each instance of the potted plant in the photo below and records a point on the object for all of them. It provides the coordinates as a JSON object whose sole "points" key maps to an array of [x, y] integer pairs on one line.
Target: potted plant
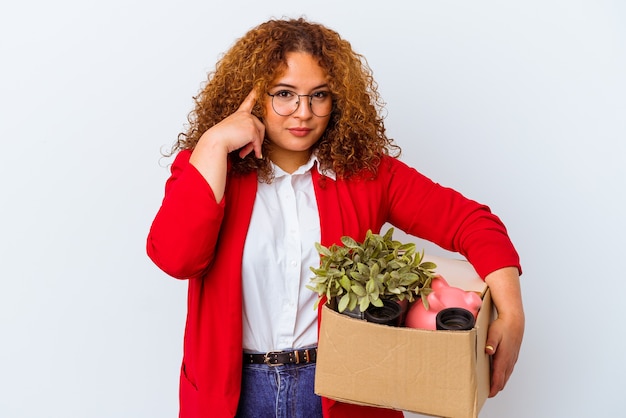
{"points": [[361, 276]]}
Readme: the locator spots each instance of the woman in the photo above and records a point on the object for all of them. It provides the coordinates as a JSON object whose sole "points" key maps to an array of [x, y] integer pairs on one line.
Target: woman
{"points": [[286, 147]]}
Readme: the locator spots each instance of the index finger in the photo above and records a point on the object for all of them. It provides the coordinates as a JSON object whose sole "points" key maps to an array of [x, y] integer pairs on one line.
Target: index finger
{"points": [[248, 103]]}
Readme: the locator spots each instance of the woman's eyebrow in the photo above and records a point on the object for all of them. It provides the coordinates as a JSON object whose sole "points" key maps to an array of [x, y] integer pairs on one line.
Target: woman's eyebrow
{"points": [[289, 86]]}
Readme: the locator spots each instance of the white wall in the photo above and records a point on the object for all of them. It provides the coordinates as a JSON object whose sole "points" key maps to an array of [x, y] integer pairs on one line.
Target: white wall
{"points": [[521, 105]]}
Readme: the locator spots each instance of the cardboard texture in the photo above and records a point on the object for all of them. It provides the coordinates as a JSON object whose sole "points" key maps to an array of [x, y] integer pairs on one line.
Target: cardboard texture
{"points": [[440, 373]]}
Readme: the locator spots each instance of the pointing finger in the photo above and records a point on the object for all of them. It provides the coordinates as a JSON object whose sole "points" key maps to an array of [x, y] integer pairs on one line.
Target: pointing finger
{"points": [[248, 103]]}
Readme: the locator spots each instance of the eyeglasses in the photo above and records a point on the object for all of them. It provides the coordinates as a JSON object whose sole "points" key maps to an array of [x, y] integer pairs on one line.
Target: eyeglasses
{"points": [[286, 102]]}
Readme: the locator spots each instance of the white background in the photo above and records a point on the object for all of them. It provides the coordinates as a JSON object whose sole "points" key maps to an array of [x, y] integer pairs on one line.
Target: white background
{"points": [[521, 105]]}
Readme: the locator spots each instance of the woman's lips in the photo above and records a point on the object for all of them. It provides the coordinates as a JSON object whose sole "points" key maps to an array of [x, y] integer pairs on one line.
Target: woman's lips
{"points": [[300, 131]]}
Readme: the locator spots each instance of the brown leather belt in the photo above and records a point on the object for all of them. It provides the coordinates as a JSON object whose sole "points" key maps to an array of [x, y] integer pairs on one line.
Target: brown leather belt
{"points": [[279, 358]]}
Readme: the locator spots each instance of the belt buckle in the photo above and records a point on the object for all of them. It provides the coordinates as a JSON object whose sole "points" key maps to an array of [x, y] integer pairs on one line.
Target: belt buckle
{"points": [[267, 359]]}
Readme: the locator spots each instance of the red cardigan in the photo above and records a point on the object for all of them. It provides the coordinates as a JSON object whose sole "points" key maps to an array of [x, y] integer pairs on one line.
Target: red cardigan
{"points": [[196, 238]]}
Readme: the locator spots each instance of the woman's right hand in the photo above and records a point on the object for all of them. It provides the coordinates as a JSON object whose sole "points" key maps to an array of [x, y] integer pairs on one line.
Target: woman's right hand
{"points": [[240, 131]]}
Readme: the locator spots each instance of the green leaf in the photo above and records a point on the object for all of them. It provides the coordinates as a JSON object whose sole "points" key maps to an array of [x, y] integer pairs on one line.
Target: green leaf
{"points": [[353, 302], [394, 290], [358, 289], [345, 282], [364, 304], [343, 302], [334, 272], [349, 242], [312, 288], [374, 270], [363, 269], [322, 250], [372, 289], [410, 278], [428, 265]]}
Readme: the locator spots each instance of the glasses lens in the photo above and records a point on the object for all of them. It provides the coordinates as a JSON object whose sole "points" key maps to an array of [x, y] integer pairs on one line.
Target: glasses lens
{"points": [[285, 102], [321, 103]]}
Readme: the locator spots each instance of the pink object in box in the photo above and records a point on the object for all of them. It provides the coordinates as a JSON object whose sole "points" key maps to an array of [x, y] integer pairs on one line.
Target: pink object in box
{"points": [[443, 296]]}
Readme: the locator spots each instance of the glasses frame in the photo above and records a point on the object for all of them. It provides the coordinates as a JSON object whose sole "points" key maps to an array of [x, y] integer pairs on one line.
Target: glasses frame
{"points": [[310, 96]]}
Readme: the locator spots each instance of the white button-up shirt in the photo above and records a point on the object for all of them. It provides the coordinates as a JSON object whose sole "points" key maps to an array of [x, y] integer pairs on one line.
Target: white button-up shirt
{"points": [[278, 311]]}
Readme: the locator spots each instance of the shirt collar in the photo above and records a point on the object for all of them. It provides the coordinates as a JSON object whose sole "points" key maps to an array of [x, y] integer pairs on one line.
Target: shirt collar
{"points": [[305, 168]]}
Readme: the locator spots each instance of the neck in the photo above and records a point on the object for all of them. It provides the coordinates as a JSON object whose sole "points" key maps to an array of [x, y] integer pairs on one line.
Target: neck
{"points": [[289, 161]]}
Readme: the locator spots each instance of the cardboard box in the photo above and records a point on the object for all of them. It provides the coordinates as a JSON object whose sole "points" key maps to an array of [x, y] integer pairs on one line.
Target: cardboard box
{"points": [[440, 373]]}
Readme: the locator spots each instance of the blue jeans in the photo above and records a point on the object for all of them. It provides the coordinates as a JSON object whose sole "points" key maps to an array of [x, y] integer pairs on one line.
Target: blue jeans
{"points": [[279, 391]]}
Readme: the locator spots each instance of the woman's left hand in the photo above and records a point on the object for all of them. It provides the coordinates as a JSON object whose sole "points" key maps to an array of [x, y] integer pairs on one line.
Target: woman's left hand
{"points": [[505, 335]]}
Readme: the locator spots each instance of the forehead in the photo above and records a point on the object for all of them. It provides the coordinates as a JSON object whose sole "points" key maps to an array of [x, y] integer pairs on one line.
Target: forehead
{"points": [[301, 69]]}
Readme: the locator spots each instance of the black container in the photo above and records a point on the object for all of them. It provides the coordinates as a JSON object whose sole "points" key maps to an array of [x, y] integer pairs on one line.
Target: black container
{"points": [[455, 319], [388, 314]]}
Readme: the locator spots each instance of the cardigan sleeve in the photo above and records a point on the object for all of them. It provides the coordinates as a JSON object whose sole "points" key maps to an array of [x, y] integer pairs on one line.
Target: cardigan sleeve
{"points": [[184, 232], [423, 208]]}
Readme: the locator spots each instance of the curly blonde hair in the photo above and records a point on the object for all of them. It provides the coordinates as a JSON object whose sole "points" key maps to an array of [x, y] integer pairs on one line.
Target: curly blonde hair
{"points": [[354, 140]]}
